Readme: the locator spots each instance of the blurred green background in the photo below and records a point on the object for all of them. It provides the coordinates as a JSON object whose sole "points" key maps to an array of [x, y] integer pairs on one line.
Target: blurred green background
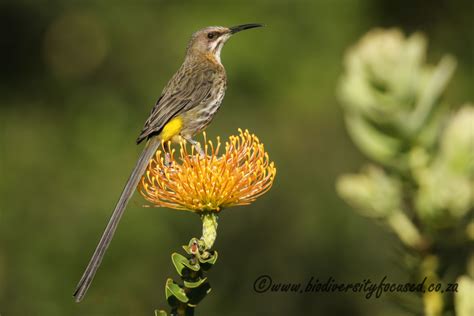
{"points": [[77, 82]]}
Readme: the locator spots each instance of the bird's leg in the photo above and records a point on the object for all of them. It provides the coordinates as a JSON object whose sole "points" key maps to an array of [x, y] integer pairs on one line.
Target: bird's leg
{"points": [[196, 145], [167, 159], [167, 150]]}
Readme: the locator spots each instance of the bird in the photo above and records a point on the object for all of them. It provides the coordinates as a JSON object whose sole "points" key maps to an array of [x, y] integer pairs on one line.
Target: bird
{"points": [[186, 106]]}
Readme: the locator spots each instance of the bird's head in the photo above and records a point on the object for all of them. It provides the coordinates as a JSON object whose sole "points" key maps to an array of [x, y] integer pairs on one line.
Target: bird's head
{"points": [[210, 40]]}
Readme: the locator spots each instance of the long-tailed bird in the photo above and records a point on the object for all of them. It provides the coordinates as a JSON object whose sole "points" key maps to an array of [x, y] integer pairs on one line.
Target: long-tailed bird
{"points": [[186, 107]]}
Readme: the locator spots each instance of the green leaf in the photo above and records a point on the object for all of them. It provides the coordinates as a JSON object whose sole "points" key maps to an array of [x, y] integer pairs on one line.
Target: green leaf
{"points": [[186, 248], [372, 192], [160, 313], [195, 284], [211, 259], [432, 91], [206, 264], [378, 146], [173, 290], [180, 262]]}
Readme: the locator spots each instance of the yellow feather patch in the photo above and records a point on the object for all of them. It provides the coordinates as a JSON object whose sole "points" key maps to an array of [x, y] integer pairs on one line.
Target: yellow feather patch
{"points": [[171, 129]]}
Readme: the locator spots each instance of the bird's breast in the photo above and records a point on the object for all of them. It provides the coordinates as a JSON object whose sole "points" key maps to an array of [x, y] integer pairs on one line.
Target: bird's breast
{"points": [[199, 118]]}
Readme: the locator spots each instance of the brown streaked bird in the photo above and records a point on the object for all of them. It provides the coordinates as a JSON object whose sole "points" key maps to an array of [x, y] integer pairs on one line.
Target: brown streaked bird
{"points": [[186, 106]]}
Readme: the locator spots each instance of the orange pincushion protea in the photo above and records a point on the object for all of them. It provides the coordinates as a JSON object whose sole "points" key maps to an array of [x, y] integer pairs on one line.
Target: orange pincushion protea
{"points": [[210, 182]]}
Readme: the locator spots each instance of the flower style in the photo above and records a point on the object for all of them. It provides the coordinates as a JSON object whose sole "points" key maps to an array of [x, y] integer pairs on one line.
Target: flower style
{"points": [[209, 182]]}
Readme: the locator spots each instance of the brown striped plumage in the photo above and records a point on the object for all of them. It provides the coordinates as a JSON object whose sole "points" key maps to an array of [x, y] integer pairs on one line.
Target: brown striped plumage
{"points": [[194, 93], [186, 106]]}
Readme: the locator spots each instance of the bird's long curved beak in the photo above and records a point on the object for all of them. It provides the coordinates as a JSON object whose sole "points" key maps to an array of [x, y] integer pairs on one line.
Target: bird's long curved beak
{"points": [[238, 28]]}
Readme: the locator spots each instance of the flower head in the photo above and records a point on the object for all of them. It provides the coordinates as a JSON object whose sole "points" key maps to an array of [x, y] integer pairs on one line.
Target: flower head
{"points": [[213, 181]]}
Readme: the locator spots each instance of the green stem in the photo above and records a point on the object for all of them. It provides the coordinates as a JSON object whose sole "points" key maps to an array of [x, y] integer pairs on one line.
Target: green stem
{"points": [[183, 297]]}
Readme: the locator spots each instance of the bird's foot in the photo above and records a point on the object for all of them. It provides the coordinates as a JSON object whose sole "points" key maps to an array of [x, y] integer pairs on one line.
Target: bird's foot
{"points": [[167, 161], [168, 164], [197, 146]]}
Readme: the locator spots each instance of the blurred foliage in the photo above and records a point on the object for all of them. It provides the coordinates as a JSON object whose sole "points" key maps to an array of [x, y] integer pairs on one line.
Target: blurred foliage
{"points": [[423, 185], [78, 80], [391, 96]]}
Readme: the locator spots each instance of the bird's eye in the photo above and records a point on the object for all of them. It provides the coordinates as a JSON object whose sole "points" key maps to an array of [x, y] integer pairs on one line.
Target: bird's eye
{"points": [[211, 35]]}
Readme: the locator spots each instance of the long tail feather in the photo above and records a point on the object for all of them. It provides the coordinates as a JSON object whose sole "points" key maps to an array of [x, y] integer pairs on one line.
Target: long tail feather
{"points": [[104, 242]]}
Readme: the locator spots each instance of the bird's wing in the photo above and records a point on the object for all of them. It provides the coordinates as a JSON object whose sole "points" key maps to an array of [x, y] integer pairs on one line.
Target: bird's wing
{"points": [[189, 87]]}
